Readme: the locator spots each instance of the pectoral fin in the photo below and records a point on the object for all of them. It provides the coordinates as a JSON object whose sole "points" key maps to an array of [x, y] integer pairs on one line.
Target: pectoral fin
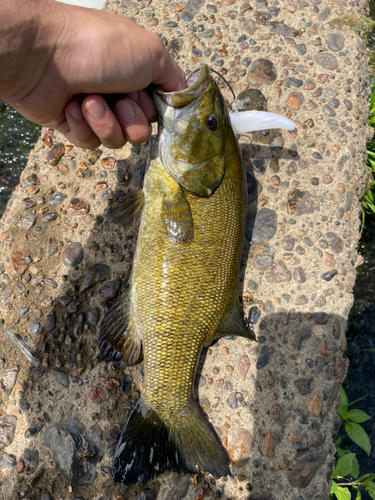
{"points": [[118, 340], [176, 216], [127, 211], [233, 323]]}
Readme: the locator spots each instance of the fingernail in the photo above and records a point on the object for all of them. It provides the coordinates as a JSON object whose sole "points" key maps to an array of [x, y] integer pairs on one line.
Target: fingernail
{"points": [[126, 111], [74, 109], [95, 109]]}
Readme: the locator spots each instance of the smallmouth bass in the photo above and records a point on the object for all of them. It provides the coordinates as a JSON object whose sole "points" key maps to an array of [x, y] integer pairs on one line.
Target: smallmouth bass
{"points": [[183, 291]]}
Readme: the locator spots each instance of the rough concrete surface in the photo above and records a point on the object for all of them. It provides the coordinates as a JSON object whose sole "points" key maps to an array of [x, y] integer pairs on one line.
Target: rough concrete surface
{"points": [[272, 402]]}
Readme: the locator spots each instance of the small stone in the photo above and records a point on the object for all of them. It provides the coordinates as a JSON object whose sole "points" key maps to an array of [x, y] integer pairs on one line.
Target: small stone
{"points": [[56, 199], [326, 60], [302, 334], [299, 275], [31, 356], [315, 405], [96, 274], [301, 202], [320, 318], [305, 469], [109, 290], [103, 390], [278, 273], [335, 42], [295, 100], [243, 366], [301, 49], [33, 431], [269, 446], [7, 461], [251, 100], [17, 265], [138, 173], [108, 163], [322, 348], [72, 255], [303, 385], [254, 188], [54, 154], [93, 156], [8, 379], [288, 243], [235, 400], [49, 322], [327, 276], [262, 226], [61, 377], [260, 165], [126, 383], [254, 315], [295, 82], [263, 358], [146, 494], [262, 71], [27, 203], [78, 207], [93, 316], [50, 217], [7, 429], [239, 452]]}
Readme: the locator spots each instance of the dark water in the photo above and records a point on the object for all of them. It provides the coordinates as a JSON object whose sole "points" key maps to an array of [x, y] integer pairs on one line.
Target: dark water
{"points": [[17, 137]]}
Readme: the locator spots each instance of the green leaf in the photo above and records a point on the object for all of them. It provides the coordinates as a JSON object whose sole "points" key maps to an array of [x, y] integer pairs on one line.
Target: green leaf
{"points": [[356, 400], [358, 497], [338, 441], [342, 411], [370, 488], [357, 416], [359, 436], [341, 493], [344, 397], [365, 478], [355, 468], [344, 465]]}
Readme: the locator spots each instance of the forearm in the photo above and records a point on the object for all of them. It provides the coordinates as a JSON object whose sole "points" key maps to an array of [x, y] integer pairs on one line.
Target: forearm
{"points": [[29, 32]]}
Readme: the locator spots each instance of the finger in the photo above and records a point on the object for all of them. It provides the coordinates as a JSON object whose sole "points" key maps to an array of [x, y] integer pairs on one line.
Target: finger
{"points": [[76, 129], [133, 121], [144, 101], [165, 71], [103, 122]]}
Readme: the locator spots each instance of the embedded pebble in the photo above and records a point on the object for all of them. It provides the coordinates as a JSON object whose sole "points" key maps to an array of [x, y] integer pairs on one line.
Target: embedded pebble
{"points": [[7, 429], [103, 391], [235, 400], [335, 42], [326, 60], [31, 356], [251, 99], [61, 377], [126, 383], [263, 358], [109, 290], [93, 316], [33, 431], [56, 199], [72, 255], [239, 452], [8, 379], [262, 71], [261, 226], [96, 274], [7, 461]]}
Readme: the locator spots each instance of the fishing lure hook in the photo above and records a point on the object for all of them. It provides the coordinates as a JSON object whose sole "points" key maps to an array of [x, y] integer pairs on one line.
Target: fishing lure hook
{"points": [[221, 76]]}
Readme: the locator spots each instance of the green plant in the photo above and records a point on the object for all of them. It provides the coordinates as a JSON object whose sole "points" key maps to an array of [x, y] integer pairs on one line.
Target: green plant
{"points": [[368, 200], [346, 472]]}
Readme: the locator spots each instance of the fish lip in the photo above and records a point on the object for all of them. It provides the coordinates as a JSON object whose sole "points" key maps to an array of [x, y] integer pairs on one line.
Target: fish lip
{"points": [[181, 98]]}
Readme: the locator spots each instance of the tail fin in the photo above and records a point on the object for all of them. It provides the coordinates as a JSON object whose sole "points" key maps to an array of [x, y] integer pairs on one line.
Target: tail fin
{"points": [[147, 447]]}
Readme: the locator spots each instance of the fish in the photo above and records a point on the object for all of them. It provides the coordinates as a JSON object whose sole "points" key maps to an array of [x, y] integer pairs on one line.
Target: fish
{"points": [[183, 286]]}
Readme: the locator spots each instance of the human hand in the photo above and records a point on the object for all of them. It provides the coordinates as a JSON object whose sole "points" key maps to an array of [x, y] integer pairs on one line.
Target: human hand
{"points": [[84, 72]]}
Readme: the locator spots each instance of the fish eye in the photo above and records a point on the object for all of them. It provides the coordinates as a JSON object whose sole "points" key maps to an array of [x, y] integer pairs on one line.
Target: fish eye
{"points": [[212, 122]]}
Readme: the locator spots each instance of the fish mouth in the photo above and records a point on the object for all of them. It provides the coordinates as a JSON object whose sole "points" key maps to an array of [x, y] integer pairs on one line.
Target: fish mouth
{"points": [[180, 98]]}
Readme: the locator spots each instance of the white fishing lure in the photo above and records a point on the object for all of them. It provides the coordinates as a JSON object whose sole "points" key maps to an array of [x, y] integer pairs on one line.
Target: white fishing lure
{"points": [[250, 121]]}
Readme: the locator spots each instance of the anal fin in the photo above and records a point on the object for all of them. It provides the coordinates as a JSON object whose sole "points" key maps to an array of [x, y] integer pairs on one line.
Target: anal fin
{"points": [[128, 210], [117, 339], [176, 216]]}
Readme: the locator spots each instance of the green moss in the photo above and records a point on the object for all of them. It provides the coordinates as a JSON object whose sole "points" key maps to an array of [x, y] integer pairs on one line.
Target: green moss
{"points": [[361, 25]]}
